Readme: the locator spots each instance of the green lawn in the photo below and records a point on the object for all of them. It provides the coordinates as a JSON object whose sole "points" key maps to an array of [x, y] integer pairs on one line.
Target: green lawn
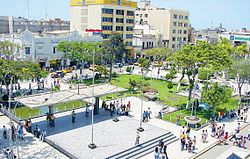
{"points": [[205, 115], [165, 95], [170, 98], [25, 112]]}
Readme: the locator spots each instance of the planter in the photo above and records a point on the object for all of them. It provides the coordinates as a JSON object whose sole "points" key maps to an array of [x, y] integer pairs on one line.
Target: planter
{"points": [[192, 121], [151, 95]]}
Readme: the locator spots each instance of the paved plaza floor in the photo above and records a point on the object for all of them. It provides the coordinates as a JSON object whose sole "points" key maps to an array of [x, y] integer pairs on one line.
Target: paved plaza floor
{"points": [[109, 136]]}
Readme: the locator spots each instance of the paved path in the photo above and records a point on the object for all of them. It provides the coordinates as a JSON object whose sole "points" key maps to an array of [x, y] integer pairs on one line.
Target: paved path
{"points": [[30, 148], [110, 137]]}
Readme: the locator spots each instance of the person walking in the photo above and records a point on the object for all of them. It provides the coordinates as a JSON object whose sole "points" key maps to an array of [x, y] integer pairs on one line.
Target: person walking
{"points": [[137, 139], [149, 113], [73, 117], [4, 132]]}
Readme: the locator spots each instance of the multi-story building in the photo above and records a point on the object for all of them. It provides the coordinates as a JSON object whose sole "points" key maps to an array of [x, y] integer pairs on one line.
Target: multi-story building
{"points": [[11, 25], [109, 16], [146, 37], [173, 23], [41, 48]]}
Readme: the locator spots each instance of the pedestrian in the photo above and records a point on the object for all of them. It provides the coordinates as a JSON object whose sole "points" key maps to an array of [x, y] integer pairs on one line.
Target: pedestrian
{"points": [[137, 139], [20, 131], [144, 116], [4, 132], [87, 111], [73, 116], [157, 154], [1, 89], [165, 155], [182, 138], [194, 143], [149, 112], [203, 136], [29, 126], [238, 128], [206, 136], [42, 136], [112, 109], [178, 120], [188, 132]]}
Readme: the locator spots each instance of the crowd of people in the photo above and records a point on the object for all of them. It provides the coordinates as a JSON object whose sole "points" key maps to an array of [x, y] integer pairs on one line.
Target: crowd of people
{"points": [[187, 142], [146, 115], [117, 108], [161, 151], [19, 131]]}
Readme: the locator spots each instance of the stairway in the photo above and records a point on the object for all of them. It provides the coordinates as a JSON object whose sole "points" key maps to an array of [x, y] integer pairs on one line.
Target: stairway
{"points": [[144, 148]]}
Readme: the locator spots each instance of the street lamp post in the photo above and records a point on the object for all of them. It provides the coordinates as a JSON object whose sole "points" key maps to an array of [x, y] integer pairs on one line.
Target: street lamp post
{"points": [[116, 118], [92, 145], [141, 116]]}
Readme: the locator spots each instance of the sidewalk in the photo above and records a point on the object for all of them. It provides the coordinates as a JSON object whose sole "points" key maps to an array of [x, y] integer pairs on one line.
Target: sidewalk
{"points": [[31, 147], [174, 149]]}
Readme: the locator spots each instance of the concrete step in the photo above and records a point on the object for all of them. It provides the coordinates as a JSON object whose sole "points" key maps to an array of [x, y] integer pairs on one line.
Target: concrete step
{"points": [[144, 148]]}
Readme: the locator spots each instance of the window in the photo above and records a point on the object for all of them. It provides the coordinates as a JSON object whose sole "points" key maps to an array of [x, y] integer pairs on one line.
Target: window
{"points": [[175, 16], [107, 11], [119, 20], [129, 36], [174, 23], [184, 32], [173, 38], [146, 15], [54, 49], [173, 46], [120, 12], [178, 38], [180, 16], [105, 19], [186, 17], [27, 50], [179, 24], [107, 27], [174, 31], [105, 36], [185, 24], [179, 31], [130, 21], [129, 28], [119, 28], [184, 39], [130, 13], [129, 43]]}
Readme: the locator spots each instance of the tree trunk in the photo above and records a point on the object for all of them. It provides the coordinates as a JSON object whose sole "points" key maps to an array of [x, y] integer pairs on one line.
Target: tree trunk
{"points": [[179, 83], [110, 70], [189, 97]]}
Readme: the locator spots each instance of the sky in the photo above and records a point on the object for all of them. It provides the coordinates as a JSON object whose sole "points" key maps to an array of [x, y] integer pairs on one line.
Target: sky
{"points": [[233, 14]]}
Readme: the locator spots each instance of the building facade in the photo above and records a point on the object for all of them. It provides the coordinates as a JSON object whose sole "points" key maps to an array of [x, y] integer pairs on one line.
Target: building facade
{"points": [[11, 25], [237, 38], [174, 24], [146, 37], [109, 16], [41, 48]]}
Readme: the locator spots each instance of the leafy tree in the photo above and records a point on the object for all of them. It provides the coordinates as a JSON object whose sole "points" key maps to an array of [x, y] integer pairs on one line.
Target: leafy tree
{"points": [[159, 54], [193, 57], [171, 75], [216, 95], [132, 84], [241, 71], [170, 85], [144, 64], [102, 70], [8, 50], [205, 74], [11, 71], [111, 49]]}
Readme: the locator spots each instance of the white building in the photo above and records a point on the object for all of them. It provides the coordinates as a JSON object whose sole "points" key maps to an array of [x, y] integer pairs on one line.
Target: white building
{"points": [[146, 37], [174, 24], [237, 37], [41, 48]]}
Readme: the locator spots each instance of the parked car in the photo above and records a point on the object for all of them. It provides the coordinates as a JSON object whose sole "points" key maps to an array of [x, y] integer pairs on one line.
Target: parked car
{"points": [[67, 70]]}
